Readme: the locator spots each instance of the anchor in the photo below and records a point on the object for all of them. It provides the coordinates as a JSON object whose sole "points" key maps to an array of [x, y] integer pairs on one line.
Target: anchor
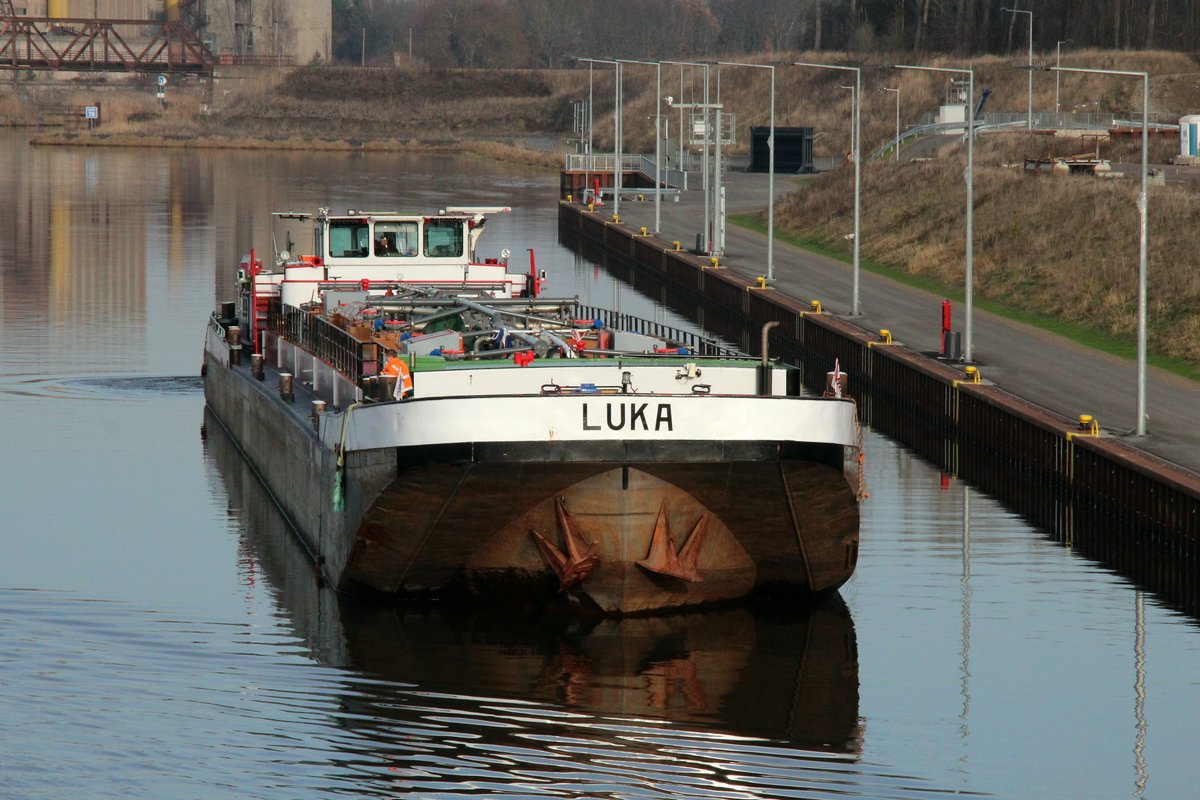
{"points": [[662, 557], [580, 559]]}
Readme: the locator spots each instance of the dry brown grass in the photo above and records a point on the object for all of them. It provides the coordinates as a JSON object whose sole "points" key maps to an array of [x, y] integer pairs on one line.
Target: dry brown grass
{"points": [[13, 112], [1064, 247]]}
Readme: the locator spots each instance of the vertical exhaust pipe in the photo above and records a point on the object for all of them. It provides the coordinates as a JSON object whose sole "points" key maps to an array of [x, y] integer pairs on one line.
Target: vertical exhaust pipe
{"points": [[764, 369]]}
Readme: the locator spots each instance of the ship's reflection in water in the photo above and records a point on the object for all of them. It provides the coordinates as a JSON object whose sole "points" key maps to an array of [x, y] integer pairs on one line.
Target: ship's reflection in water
{"points": [[450, 697]]}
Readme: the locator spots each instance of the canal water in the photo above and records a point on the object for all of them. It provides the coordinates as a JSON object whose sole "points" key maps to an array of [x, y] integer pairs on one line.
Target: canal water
{"points": [[162, 636]]}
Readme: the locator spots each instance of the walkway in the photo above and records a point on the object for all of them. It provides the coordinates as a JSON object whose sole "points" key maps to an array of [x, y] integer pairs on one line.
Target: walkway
{"points": [[1043, 368]]}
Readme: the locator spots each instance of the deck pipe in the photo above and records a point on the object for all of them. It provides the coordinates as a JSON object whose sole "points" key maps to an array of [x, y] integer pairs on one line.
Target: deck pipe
{"points": [[764, 368]]}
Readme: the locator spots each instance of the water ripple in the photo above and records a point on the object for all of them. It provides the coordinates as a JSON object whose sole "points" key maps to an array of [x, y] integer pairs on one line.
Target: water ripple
{"points": [[101, 387]]}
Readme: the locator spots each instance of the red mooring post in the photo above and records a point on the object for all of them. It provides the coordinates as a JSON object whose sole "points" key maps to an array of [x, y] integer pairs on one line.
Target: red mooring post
{"points": [[945, 323]]}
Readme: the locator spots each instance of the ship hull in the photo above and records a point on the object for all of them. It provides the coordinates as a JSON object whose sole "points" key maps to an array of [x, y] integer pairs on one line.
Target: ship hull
{"points": [[730, 495], [493, 528]]}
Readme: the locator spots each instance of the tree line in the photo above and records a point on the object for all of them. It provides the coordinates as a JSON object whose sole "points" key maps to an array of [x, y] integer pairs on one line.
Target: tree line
{"points": [[547, 33]]}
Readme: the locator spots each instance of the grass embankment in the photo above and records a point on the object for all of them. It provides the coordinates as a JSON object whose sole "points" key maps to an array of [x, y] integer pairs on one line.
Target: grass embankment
{"points": [[1057, 252]]}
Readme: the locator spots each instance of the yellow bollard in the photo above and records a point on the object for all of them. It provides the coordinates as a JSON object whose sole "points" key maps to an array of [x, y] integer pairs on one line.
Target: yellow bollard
{"points": [[570, 198], [643, 231], [762, 281], [616, 218], [591, 206], [641, 197], [973, 374], [816, 306], [713, 261], [1088, 423], [885, 335], [676, 245]]}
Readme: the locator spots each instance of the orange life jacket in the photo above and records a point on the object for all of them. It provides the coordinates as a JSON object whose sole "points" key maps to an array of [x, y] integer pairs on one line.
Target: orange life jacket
{"points": [[397, 368]]}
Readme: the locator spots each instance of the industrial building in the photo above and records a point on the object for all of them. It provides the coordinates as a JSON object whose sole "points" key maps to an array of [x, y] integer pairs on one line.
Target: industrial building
{"points": [[266, 32]]}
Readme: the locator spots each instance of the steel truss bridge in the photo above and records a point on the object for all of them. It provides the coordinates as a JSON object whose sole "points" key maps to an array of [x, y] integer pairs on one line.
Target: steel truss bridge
{"points": [[100, 45]]}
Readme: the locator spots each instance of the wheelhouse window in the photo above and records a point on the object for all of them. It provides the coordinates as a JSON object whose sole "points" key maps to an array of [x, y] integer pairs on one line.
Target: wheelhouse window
{"points": [[349, 238], [443, 237], [396, 239]]}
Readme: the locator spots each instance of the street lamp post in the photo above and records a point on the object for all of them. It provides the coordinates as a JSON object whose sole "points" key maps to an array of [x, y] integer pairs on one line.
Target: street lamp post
{"points": [[1029, 120], [854, 305], [1143, 202], [1057, 75], [682, 129], [896, 148], [616, 124], [770, 168], [657, 130], [968, 349], [618, 173], [711, 202]]}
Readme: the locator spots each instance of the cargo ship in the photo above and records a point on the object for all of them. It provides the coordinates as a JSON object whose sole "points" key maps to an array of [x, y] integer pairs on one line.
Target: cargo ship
{"points": [[431, 423]]}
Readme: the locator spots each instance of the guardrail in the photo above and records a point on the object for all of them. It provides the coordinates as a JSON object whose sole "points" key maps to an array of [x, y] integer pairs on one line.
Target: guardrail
{"points": [[630, 162], [355, 359], [703, 345]]}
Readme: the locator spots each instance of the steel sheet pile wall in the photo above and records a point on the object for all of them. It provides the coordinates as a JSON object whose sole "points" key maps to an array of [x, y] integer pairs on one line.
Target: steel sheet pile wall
{"points": [[1129, 507], [1018, 453], [912, 399], [1099, 495]]}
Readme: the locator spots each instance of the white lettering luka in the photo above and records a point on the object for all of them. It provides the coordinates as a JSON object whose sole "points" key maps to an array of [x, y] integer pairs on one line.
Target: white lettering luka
{"points": [[618, 417]]}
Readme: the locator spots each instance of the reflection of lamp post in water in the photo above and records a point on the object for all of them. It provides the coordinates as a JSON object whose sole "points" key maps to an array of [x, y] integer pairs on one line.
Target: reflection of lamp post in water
{"points": [[965, 678]]}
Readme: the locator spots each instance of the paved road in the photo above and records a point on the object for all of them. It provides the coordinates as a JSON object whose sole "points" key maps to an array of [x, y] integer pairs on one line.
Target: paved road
{"points": [[1047, 370]]}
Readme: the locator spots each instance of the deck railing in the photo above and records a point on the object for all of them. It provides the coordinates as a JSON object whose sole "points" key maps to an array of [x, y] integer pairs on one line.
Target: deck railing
{"points": [[702, 345], [355, 359]]}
